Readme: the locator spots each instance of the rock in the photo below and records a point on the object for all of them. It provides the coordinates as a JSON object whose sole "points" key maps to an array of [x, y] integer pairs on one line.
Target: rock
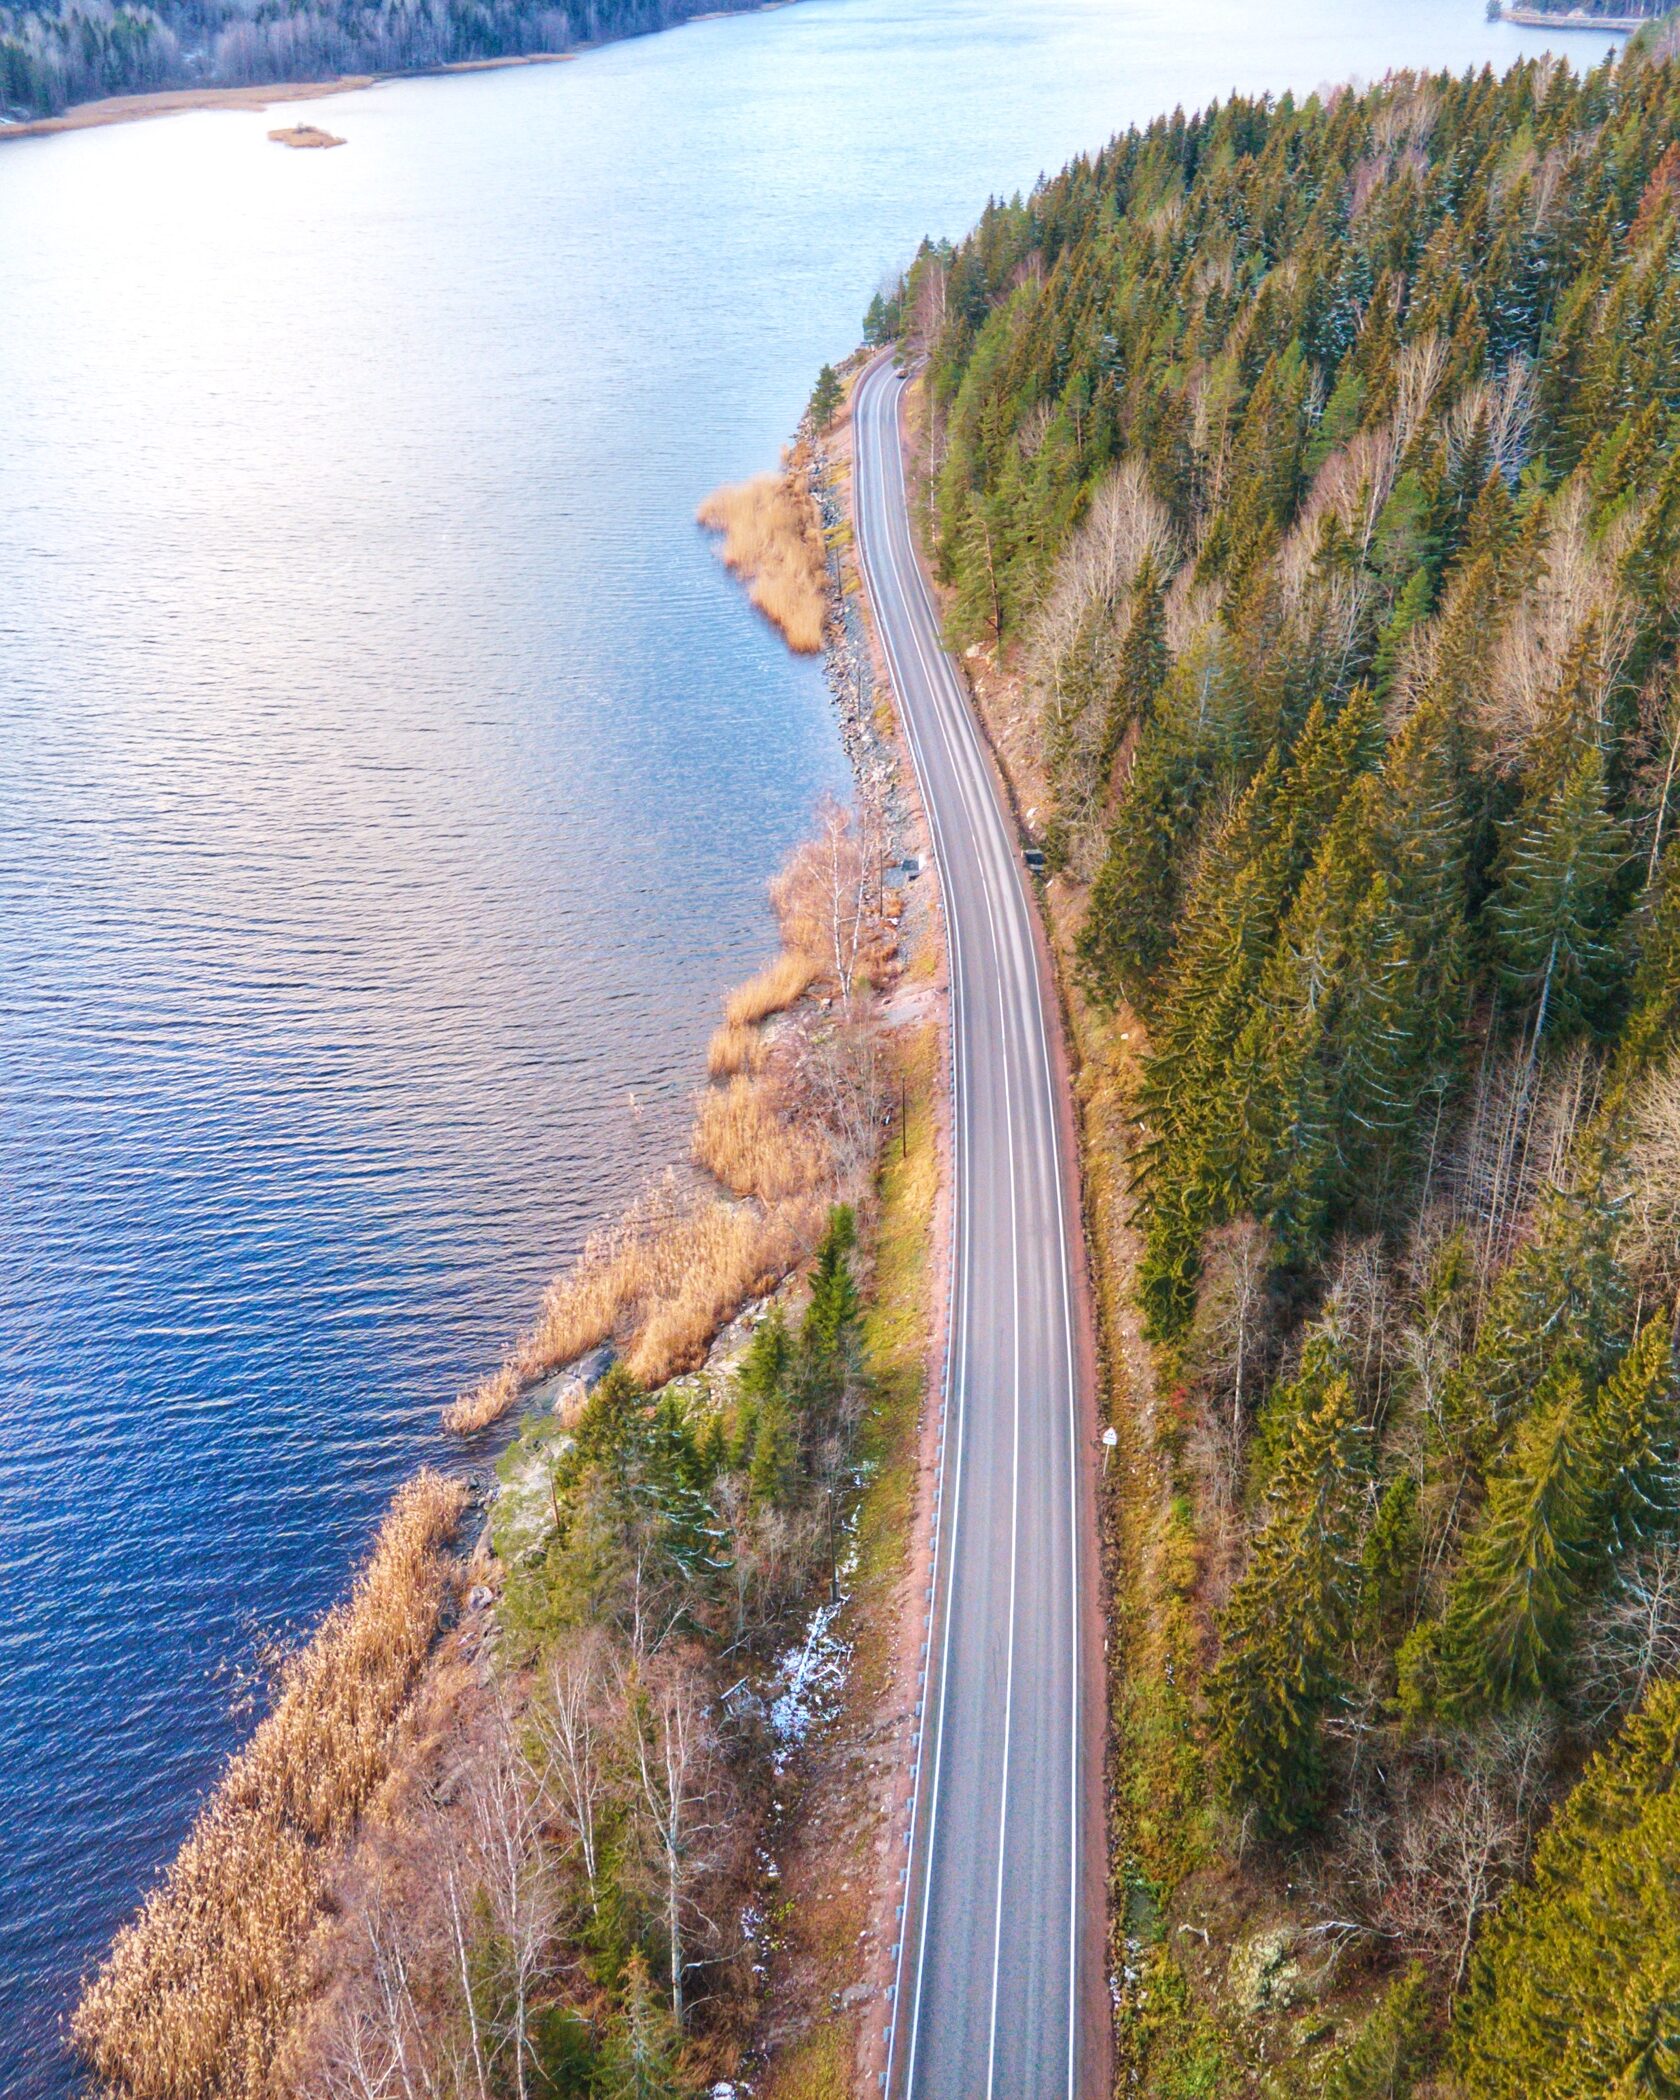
{"points": [[593, 1367], [856, 1994], [1262, 1976], [479, 1597]]}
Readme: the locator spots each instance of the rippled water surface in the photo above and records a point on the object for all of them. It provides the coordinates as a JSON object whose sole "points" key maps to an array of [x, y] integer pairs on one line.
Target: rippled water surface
{"points": [[389, 777]]}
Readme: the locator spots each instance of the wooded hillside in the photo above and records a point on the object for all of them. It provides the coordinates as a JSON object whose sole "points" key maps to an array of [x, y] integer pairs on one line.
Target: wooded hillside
{"points": [[1315, 469], [78, 50]]}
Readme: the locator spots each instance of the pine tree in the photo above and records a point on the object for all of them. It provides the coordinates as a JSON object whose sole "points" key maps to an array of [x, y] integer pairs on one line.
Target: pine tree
{"points": [[826, 397]]}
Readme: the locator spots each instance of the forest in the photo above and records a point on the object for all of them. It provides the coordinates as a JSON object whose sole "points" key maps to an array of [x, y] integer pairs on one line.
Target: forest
{"points": [[1311, 470], [78, 50], [1615, 9]]}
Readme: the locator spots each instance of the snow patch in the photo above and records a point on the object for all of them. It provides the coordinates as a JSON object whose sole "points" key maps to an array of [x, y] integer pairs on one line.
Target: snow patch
{"points": [[812, 1677]]}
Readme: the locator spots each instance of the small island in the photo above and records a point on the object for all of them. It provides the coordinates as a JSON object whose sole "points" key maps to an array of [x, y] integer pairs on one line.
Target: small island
{"points": [[304, 135]]}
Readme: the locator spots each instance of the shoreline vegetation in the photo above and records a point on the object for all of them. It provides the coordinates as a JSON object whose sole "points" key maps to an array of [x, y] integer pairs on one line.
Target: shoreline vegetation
{"points": [[72, 65], [1567, 18], [199, 1991], [260, 96], [781, 1131], [305, 137], [773, 542], [527, 1818], [1303, 482]]}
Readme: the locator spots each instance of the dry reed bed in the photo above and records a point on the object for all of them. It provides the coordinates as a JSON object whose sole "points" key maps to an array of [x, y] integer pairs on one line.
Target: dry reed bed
{"points": [[778, 1137], [745, 1137], [733, 1049], [775, 988], [662, 1281], [773, 541], [197, 1993], [666, 1277]]}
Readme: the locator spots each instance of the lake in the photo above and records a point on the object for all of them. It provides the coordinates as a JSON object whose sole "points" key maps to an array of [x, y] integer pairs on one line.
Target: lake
{"points": [[389, 775]]}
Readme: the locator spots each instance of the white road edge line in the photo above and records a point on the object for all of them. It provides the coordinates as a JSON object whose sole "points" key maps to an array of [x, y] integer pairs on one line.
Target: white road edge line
{"points": [[960, 1204], [882, 379], [1073, 1419]]}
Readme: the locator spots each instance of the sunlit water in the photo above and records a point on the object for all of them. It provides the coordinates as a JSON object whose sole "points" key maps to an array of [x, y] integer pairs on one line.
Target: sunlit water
{"points": [[389, 777]]}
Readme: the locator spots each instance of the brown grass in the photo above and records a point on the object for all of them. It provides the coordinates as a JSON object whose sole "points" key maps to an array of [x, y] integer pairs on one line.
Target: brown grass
{"points": [[653, 1281], [734, 1049], [661, 1282], [773, 542], [775, 988], [702, 1275], [741, 1139], [197, 1993]]}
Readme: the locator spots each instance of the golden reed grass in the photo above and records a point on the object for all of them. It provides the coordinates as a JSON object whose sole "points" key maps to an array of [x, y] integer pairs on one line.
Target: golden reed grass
{"points": [[775, 988], [734, 1049], [743, 1141], [772, 540], [663, 1280], [197, 1993]]}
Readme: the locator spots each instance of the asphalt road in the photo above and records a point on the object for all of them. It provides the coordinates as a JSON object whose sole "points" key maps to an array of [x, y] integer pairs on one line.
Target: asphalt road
{"points": [[999, 1987]]}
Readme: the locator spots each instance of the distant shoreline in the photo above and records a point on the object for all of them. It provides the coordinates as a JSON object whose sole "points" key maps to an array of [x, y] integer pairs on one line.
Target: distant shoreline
{"points": [[1542, 18], [172, 102]]}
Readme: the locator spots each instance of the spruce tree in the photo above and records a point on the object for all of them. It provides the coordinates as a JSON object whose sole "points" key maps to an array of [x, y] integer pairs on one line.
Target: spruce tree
{"points": [[1555, 914], [1508, 1613], [1575, 1985], [1283, 1632], [640, 2058], [1629, 1462], [1562, 1299]]}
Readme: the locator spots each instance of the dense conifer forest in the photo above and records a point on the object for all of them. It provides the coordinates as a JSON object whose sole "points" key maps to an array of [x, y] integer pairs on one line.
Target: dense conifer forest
{"points": [[1314, 470], [78, 50], [1611, 9]]}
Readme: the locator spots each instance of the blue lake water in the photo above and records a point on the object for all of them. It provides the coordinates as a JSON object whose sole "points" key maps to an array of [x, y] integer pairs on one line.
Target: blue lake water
{"points": [[389, 776]]}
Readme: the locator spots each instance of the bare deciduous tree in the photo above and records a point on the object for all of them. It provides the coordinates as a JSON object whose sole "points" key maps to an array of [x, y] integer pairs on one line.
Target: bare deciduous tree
{"points": [[1430, 1859], [1630, 1637], [673, 1752], [383, 2046], [569, 1725], [506, 1863], [828, 896], [842, 1071]]}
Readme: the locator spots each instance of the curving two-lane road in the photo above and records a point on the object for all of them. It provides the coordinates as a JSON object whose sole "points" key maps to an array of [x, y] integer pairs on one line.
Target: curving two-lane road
{"points": [[999, 1989]]}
